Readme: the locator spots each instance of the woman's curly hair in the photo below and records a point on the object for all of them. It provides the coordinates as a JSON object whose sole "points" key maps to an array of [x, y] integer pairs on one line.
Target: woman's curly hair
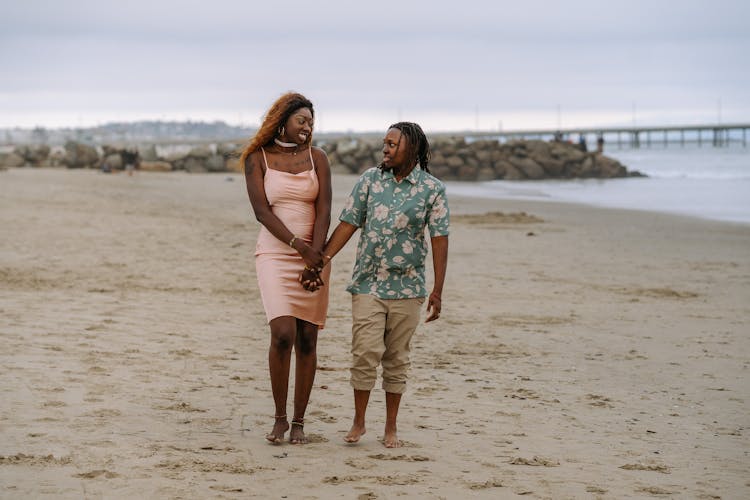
{"points": [[275, 118]]}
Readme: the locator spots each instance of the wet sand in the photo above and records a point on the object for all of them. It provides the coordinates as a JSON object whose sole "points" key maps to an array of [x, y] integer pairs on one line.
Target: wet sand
{"points": [[582, 353]]}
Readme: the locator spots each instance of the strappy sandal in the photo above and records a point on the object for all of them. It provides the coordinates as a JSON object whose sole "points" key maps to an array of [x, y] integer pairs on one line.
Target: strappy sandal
{"points": [[271, 437], [299, 422]]}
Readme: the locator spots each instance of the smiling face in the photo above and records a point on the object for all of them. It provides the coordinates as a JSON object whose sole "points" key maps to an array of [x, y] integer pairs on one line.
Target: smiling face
{"points": [[299, 126], [395, 150]]}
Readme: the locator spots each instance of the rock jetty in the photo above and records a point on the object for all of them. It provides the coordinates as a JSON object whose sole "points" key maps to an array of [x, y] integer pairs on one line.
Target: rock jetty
{"points": [[457, 159], [452, 159]]}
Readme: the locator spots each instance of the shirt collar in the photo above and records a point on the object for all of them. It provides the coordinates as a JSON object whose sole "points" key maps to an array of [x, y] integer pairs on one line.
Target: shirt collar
{"points": [[412, 178]]}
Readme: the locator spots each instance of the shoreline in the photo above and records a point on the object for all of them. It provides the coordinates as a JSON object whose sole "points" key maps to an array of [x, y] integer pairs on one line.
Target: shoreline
{"points": [[623, 195], [345, 181], [582, 352]]}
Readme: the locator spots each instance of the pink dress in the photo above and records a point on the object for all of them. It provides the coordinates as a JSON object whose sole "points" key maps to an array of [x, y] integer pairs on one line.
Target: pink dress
{"points": [[277, 265]]}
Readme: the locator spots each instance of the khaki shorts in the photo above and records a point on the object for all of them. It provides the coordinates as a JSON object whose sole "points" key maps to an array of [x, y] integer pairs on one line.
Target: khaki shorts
{"points": [[381, 333]]}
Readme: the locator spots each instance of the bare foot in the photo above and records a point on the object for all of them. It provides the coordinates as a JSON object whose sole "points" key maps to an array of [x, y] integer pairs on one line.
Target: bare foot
{"points": [[356, 432], [297, 434], [276, 436], [390, 440]]}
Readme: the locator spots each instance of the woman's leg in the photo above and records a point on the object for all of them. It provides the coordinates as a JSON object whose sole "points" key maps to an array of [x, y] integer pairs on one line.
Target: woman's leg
{"points": [[306, 360], [283, 334]]}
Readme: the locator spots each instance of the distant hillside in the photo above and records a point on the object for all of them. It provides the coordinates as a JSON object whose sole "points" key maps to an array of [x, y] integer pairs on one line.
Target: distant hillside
{"points": [[134, 132]]}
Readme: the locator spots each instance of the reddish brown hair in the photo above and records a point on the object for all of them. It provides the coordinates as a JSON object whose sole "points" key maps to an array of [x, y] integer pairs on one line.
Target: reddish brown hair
{"points": [[275, 118]]}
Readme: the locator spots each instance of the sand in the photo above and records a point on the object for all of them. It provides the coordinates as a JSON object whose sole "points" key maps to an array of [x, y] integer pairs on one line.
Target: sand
{"points": [[582, 353]]}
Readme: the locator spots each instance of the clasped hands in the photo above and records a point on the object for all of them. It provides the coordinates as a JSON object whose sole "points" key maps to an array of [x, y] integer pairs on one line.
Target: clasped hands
{"points": [[310, 278]]}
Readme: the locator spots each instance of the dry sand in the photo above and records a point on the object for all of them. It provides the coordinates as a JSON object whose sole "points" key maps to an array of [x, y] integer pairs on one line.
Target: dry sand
{"points": [[582, 353]]}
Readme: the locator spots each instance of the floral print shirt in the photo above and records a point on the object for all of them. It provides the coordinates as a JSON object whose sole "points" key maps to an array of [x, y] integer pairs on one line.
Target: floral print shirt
{"points": [[392, 217]]}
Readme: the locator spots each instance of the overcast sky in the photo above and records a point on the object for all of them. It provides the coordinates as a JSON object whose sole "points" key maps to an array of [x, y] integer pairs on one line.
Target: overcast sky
{"points": [[448, 65]]}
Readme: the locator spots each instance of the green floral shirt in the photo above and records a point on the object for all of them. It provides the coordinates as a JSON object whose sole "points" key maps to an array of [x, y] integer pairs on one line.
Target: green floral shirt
{"points": [[392, 216]]}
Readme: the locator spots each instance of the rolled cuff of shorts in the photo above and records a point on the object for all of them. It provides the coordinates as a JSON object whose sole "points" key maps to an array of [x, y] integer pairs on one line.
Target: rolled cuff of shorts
{"points": [[395, 388], [362, 385]]}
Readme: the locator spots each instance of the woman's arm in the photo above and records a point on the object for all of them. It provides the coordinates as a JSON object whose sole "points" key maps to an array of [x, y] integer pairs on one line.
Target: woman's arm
{"points": [[439, 265], [323, 202], [257, 194]]}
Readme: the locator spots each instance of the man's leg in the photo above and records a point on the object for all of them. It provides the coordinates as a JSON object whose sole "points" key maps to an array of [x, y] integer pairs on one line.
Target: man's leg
{"points": [[368, 325], [402, 321]]}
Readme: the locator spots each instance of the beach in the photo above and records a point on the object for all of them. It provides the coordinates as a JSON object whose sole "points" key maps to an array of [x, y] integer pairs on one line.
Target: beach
{"points": [[582, 352]]}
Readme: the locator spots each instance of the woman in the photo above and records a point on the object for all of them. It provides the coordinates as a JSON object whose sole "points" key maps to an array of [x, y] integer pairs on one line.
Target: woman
{"points": [[392, 205], [289, 185]]}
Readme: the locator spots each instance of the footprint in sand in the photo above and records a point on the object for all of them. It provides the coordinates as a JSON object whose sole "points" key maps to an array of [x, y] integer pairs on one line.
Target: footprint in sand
{"points": [[96, 473], [397, 480], [654, 490], [647, 467], [182, 406], [490, 483], [599, 401], [54, 404], [316, 438], [324, 417], [535, 461], [595, 489], [405, 458], [23, 459], [359, 463], [227, 489]]}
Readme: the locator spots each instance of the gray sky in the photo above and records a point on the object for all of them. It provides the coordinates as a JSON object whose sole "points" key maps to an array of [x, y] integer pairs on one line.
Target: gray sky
{"points": [[448, 65]]}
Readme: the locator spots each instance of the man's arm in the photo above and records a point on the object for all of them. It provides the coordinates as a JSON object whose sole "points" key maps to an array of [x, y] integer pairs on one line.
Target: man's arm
{"points": [[439, 265]]}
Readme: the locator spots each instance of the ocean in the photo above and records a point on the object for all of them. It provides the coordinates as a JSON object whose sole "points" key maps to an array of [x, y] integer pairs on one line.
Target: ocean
{"points": [[708, 182]]}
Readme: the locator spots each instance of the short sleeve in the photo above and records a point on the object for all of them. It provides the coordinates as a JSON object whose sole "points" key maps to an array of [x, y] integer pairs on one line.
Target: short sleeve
{"points": [[438, 220], [355, 206]]}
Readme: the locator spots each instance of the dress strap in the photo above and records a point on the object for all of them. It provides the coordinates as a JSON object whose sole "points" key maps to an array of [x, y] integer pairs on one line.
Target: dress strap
{"points": [[311, 158], [265, 160]]}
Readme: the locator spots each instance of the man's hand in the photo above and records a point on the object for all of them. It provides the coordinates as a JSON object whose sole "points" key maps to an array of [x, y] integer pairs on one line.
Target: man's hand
{"points": [[310, 279], [434, 306]]}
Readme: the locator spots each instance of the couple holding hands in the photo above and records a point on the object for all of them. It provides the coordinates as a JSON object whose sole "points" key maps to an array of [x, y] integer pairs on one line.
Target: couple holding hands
{"points": [[289, 185]]}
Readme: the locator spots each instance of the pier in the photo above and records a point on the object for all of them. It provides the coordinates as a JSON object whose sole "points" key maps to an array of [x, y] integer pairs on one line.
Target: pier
{"points": [[716, 135]]}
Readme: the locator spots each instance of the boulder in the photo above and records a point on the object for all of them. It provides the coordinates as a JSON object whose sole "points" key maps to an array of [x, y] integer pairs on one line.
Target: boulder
{"points": [[486, 174], [609, 167], [215, 163], [78, 155], [529, 168], [512, 173], [11, 160], [34, 155], [467, 173], [113, 162], [148, 153], [194, 165]]}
